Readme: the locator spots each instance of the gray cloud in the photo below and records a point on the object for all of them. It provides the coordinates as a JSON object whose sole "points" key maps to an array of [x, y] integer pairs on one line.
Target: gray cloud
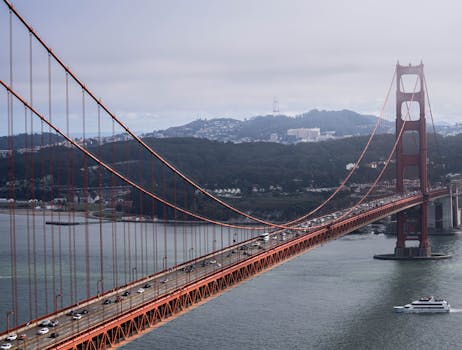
{"points": [[166, 63]]}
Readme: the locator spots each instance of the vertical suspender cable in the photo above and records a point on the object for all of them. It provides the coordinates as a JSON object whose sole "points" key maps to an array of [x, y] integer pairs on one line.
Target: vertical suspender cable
{"points": [[85, 199], [127, 224], [175, 244], [43, 182], [165, 256], [70, 197], [27, 162], [51, 147], [154, 219], [14, 296], [29, 165], [100, 206], [141, 214], [184, 224], [115, 267]]}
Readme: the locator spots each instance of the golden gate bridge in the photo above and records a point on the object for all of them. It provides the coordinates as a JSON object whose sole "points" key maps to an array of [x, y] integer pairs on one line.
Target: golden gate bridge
{"points": [[106, 239]]}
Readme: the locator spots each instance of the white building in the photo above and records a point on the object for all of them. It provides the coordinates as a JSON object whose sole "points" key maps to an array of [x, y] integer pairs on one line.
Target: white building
{"points": [[305, 134]]}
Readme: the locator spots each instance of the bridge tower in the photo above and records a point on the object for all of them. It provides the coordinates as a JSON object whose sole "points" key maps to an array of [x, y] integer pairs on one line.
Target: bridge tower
{"points": [[411, 158]]}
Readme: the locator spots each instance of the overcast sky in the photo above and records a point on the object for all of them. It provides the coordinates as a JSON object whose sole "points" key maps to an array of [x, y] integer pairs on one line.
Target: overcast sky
{"points": [[164, 63]]}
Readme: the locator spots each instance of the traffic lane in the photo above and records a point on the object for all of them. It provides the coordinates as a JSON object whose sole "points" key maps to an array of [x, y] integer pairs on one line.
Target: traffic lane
{"points": [[98, 312]]}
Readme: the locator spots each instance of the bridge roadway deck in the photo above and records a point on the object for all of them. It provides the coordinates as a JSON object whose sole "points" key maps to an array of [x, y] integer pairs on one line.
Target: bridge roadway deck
{"points": [[74, 334]]}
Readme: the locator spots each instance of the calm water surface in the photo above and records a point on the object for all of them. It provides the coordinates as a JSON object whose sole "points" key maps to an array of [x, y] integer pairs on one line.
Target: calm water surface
{"points": [[334, 297]]}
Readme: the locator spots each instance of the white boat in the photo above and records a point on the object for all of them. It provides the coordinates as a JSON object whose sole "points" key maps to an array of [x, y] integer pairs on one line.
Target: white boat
{"points": [[425, 305]]}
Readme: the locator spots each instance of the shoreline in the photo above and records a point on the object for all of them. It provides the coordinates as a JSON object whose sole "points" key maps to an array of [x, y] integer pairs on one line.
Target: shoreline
{"points": [[95, 219]]}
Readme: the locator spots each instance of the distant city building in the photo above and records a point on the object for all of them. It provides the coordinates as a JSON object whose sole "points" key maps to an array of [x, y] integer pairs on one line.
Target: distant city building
{"points": [[305, 134]]}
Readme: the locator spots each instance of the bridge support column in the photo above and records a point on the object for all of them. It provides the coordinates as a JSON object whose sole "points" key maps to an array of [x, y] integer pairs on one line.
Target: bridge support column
{"points": [[411, 165], [456, 211], [442, 215], [411, 155]]}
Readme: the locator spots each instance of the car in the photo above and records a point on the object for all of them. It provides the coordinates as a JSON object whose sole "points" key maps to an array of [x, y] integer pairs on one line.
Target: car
{"points": [[5, 346], [126, 293], [23, 337], [72, 313], [189, 268], [165, 280], [54, 335], [140, 291], [147, 285], [44, 323], [53, 323], [77, 317], [11, 337], [107, 301], [43, 330], [83, 312]]}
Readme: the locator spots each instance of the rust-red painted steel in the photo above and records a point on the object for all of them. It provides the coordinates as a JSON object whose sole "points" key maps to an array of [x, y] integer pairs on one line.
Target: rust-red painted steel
{"points": [[417, 159], [154, 313]]}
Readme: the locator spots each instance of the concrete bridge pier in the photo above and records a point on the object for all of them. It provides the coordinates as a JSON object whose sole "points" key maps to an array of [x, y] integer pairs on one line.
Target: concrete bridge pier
{"points": [[455, 194], [445, 214]]}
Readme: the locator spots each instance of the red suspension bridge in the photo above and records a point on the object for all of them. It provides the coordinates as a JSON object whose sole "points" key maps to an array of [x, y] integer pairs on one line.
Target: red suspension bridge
{"points": [[107, 239]]}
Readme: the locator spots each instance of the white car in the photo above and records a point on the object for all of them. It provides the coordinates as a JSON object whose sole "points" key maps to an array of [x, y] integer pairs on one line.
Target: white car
{"points": [[5, 346], [141, 290], [11, 337], [77, 317], [44, 330]]}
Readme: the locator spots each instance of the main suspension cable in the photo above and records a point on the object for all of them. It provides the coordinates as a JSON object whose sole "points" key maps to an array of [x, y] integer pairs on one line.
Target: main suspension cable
{"points": [[356, 166], [162, 159]]}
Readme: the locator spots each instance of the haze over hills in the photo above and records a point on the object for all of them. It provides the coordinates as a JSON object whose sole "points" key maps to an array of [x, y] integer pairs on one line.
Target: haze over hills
{"points": [[274, 127]]}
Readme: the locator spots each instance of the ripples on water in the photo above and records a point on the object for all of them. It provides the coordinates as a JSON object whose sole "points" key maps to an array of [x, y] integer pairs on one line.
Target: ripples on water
{"points": [[334, 297]]}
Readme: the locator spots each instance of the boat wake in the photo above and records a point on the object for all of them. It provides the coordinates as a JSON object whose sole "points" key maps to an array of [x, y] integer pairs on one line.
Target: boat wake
{"points": [[455, 310]]}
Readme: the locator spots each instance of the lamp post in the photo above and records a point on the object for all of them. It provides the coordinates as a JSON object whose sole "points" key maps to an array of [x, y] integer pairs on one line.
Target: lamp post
{"points": [[11, 312], [99, 284], [56, 301], [134, 274]]}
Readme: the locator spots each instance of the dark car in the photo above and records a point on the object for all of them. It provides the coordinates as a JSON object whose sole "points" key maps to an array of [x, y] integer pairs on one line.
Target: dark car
{"points": [[83, 312], [126, 293], [54, 335], [147, 285], [107, 301]]}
